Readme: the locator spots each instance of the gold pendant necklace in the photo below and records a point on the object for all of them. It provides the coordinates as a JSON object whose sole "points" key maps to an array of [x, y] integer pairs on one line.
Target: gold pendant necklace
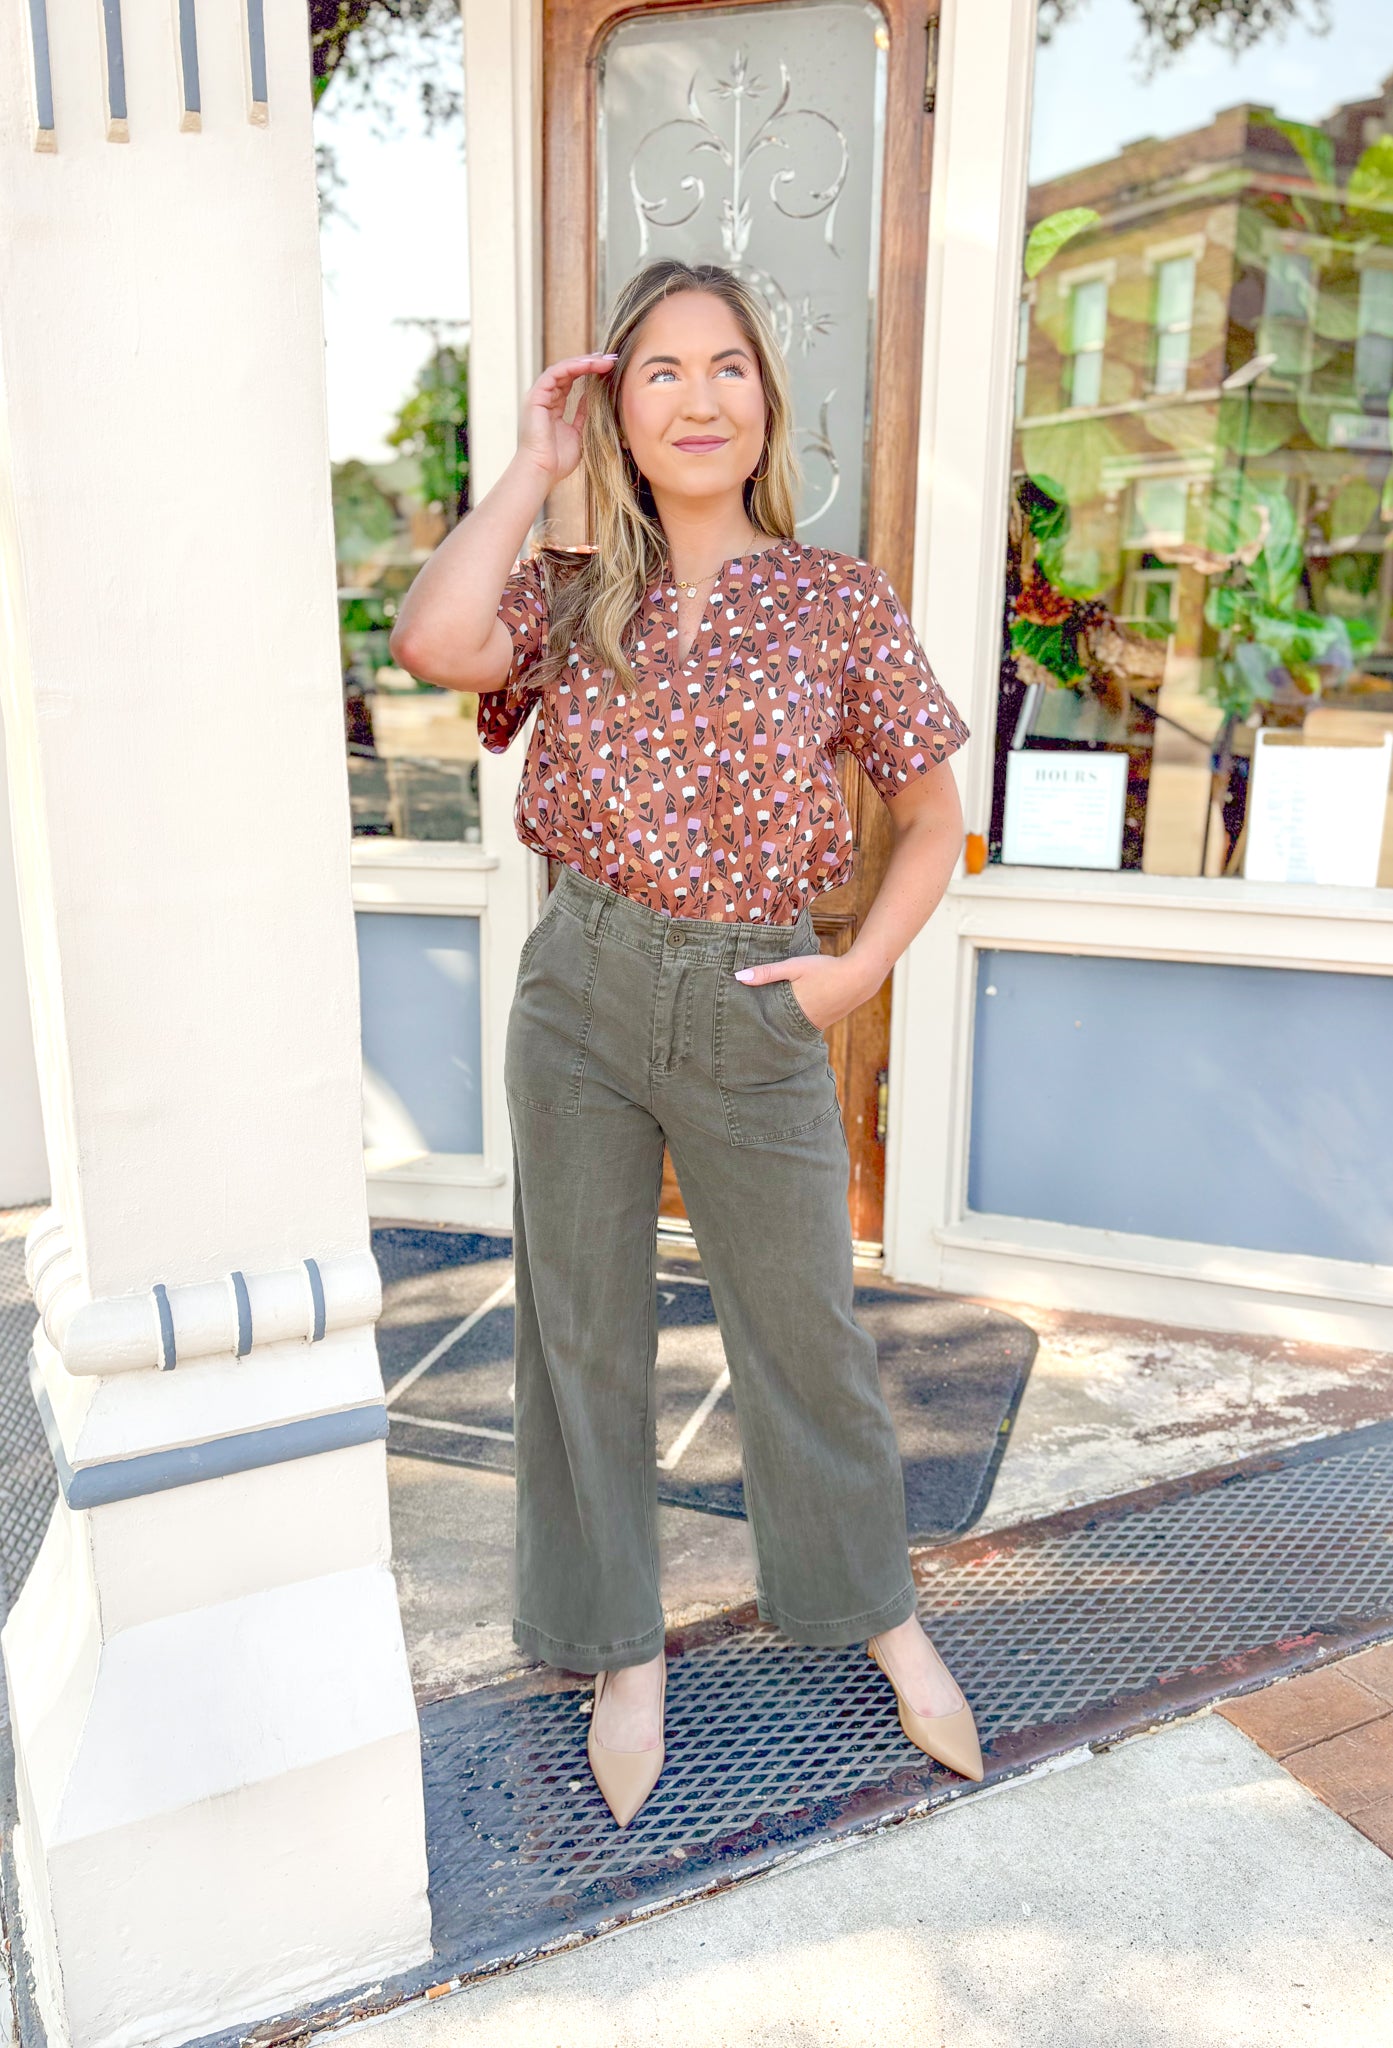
{"points": [[693, 589]]}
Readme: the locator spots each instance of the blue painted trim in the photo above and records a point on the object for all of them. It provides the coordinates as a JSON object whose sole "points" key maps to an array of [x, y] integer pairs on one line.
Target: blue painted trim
{"points": [[317, 1296], [43, 69], [97, 1486], [115, 60], [188, 56], [256, 50], [244, 1314], [169, 1356], [49, 1421]]}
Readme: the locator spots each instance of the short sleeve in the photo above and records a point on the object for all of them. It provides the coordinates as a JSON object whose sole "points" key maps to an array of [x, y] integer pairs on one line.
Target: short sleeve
{"points": [[894, 716], [523, 610]]}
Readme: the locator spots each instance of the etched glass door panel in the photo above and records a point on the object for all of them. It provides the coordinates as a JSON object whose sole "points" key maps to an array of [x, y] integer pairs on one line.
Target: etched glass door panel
{"points": [[752, 137]]}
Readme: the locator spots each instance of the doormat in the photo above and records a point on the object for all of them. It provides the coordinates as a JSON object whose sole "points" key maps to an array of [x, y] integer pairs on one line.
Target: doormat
{"points": [[953, 1372]]}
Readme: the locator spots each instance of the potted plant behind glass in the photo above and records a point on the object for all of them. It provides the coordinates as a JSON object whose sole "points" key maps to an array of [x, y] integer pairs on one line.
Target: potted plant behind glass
{"points": [[1061, 636], [1275, 654]]}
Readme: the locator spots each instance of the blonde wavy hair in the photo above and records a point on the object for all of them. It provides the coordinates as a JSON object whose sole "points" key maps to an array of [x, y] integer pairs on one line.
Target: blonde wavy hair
{"points": [[592, 597]]}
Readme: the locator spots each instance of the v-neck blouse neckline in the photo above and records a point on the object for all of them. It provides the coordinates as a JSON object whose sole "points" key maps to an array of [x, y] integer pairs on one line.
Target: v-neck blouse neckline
{"points": [[668, 585]]}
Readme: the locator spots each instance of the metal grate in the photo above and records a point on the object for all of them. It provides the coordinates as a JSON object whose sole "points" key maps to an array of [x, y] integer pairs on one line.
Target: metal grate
{"points": [[28, 1487], [1085, 1624], [1071, 1629]]}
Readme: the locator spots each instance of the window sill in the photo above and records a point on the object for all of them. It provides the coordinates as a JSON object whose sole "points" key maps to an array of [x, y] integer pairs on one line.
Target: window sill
{"points": [[374, 852], [1175, 892]]}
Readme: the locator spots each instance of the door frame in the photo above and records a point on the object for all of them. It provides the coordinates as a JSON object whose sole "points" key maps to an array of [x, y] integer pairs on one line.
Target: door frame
{"points": [[500, 881], [573, 32]]}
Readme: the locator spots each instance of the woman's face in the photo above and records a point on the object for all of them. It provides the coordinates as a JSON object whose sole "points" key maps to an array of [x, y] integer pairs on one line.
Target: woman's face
{"points": [[691, 403]]}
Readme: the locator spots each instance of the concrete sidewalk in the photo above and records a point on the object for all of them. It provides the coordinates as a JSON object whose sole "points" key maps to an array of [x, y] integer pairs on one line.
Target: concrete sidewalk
{"points": [[1180, 1891]]}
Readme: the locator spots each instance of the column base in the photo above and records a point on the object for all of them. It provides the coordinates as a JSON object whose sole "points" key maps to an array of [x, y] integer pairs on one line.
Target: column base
{"points": [[219, 1807]]}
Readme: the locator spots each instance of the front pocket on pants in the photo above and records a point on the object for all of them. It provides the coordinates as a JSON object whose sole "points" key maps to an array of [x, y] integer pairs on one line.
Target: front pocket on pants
{"points": [[551, 1016], [773, 1073], [797, 1013]]}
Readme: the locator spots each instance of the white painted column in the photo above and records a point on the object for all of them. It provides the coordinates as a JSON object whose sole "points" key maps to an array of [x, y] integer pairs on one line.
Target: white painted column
{"points": [[220, 1808], [23, 1166]]}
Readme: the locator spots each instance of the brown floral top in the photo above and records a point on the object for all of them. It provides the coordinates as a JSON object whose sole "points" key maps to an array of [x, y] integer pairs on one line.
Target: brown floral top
{"points": [[710, 791]]}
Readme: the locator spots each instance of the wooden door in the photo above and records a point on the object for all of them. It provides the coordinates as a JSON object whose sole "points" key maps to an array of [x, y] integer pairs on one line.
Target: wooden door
{"points": [[706, 92]]}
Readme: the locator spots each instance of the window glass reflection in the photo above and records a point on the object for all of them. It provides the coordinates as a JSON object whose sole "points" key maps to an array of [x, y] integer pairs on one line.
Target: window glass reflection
{"points": [[1200, 547], [388, 127]]}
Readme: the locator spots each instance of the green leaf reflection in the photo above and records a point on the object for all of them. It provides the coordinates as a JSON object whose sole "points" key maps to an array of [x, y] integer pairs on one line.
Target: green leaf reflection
{"points": [[1049, 236]]}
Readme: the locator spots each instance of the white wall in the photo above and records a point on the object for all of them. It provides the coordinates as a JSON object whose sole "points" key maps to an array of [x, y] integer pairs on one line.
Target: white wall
{"points": [[23, 1166]]}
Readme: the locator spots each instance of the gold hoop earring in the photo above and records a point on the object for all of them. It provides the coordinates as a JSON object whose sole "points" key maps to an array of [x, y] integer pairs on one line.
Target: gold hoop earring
{"points": [[757, 476]]}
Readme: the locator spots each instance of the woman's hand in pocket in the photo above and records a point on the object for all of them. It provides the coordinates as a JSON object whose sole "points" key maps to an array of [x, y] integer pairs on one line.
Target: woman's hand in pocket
{"points": [[825, 988]]}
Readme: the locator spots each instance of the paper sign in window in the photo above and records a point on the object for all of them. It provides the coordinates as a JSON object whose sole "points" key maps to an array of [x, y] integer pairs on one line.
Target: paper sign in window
{"points": [[1064, 810], [1316, 814]]}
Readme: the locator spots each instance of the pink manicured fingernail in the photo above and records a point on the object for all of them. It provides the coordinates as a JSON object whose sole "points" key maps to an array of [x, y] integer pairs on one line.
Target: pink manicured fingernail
{"points": [[743, 973]]}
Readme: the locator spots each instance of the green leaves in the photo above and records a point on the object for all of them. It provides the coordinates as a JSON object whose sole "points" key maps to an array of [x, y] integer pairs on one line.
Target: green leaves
{"points": [[1240, 513], [1047, 516], [1272, 647], [1353, 510], [1371, 180], [1075, 454], [1314, 147], [1049, 236], [1276, 573], [1270, 642], [432, 425], [1053, 647], [365, 517]]}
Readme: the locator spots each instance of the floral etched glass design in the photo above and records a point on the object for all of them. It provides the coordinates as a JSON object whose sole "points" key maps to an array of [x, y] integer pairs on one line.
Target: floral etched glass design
{"points": [[753, 137]]}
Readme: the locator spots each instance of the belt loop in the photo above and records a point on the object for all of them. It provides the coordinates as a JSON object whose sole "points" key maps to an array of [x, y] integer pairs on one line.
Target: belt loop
{"points": [[595, 916]]}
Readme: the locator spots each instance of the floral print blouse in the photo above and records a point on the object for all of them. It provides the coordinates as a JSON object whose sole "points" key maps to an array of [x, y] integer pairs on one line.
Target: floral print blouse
{"points": [[711, 791]]}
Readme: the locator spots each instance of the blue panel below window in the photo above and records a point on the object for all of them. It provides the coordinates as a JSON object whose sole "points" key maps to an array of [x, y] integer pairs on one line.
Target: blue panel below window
{"points": [[1247, 1106], [419, 979]]}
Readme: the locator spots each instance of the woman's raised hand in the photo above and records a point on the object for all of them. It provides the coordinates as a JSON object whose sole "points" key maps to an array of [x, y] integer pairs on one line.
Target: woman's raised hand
{"points": [[544, 434]]}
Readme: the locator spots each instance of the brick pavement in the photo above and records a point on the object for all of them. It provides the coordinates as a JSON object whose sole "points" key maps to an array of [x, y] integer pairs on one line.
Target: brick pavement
{"points": [[1333, 1730]]}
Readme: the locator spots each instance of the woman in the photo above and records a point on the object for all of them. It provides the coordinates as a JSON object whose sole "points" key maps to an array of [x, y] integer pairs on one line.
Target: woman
{"points": [[697, 672]]}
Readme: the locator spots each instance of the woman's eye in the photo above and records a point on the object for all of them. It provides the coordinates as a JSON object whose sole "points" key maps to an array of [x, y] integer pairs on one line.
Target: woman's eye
{"points": [[725, 369]]}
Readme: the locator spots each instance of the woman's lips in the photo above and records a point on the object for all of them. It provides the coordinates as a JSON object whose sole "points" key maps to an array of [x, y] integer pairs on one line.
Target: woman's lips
{"points": [[701, 444]]}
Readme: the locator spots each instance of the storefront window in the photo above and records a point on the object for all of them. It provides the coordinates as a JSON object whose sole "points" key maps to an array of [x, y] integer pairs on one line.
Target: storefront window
{"points": [[389, 129], [1197, 654]]}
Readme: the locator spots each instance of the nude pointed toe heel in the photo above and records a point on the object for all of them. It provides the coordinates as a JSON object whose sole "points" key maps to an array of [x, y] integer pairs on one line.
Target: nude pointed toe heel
{"points": [[626, 1776], [948, 1738]]}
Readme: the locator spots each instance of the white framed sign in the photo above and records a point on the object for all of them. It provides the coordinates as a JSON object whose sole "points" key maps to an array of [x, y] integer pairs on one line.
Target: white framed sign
{"points": [[1316, 814], [1064, 810]]}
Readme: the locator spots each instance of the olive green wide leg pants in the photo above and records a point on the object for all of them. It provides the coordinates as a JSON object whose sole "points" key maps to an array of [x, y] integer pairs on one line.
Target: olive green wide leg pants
{"points": [[627, 1028]]}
